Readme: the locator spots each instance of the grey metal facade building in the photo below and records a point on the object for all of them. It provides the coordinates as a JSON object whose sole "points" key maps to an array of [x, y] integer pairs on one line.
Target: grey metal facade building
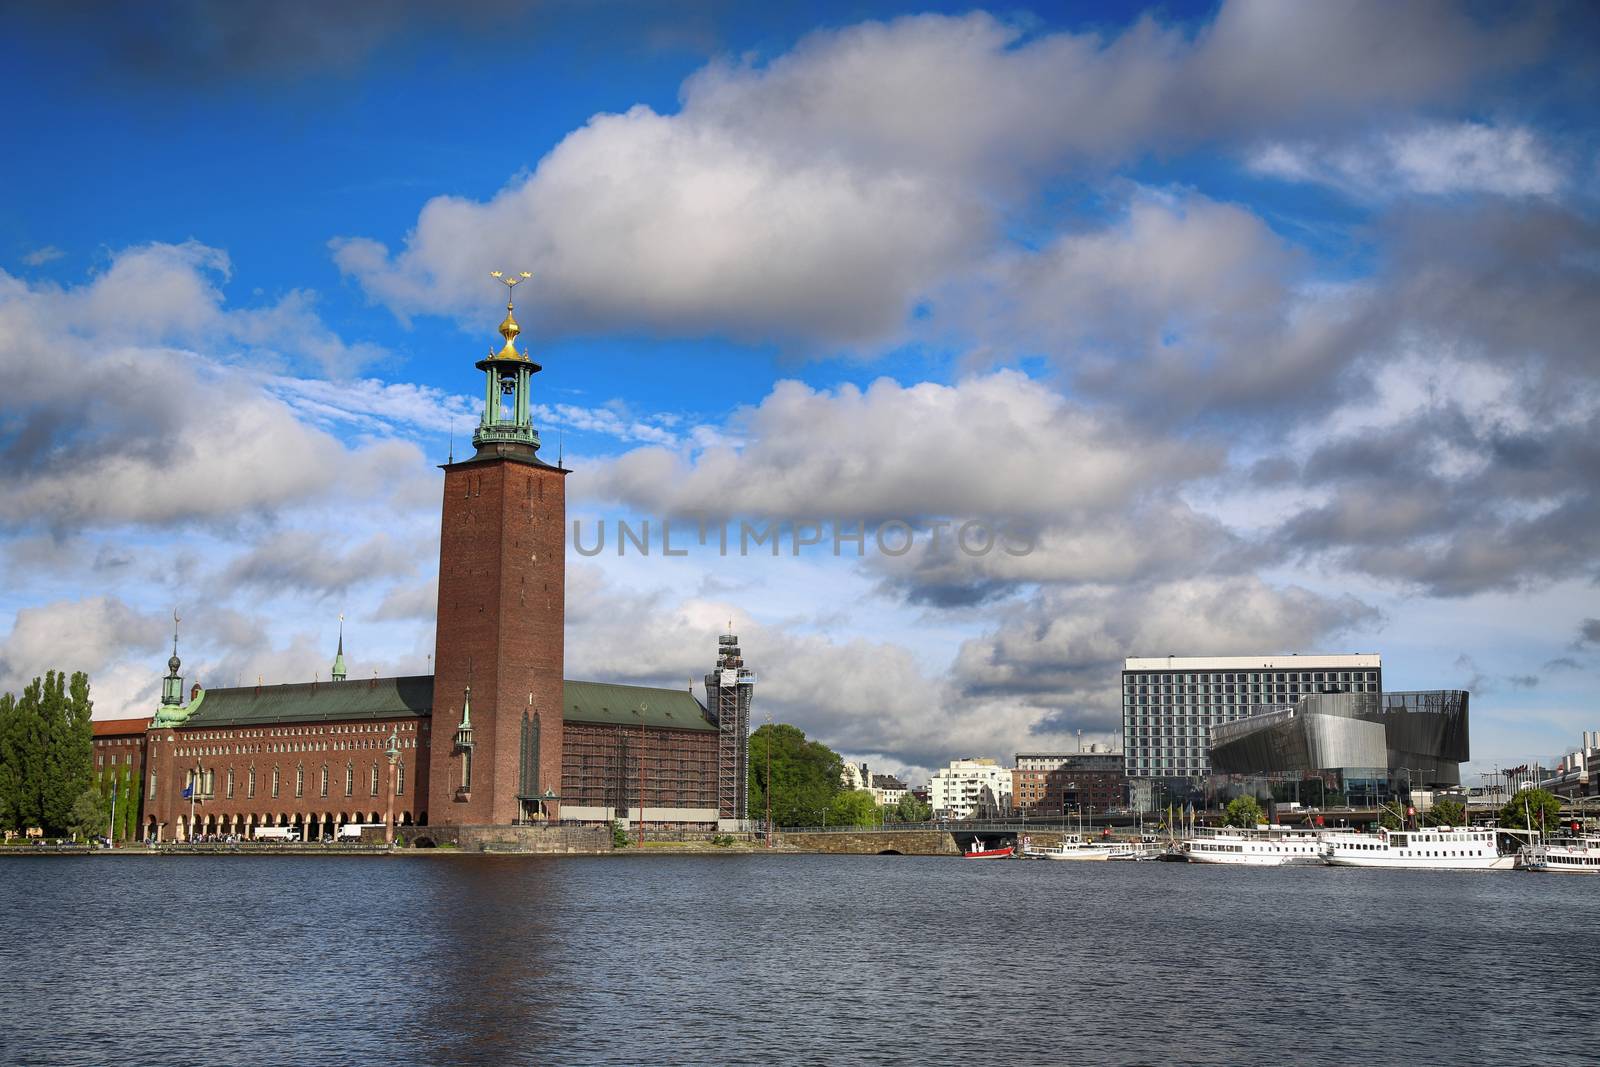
{"points": [[1368, 743], [1170, 705]]}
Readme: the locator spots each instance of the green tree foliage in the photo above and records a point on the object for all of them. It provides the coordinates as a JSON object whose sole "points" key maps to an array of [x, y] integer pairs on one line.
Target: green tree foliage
{"points": [[88, 815], [805, 776], [46, 752], [1532, 809], [853, 807], [910, 809], [118, 778], [1244, 811], [1447, 813]]}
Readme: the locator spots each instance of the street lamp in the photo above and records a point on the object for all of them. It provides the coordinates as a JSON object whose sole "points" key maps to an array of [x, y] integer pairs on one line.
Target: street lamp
{"points": [[393, 752]]}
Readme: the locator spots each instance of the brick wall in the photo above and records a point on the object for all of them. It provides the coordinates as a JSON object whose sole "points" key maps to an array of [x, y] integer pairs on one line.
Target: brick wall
{"points": [[501, 622]]}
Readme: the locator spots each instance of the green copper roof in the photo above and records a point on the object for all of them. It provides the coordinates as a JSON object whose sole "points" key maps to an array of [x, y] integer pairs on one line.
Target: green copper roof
{"points": [[628, 704], [250, 705], [379, 698]]}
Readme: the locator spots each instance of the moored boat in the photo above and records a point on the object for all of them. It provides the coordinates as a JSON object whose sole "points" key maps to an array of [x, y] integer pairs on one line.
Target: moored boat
{"points": [[1263, 846], [976, 851], [1563, 855], [1136, 850], [1072, 847], [1440, 848]]}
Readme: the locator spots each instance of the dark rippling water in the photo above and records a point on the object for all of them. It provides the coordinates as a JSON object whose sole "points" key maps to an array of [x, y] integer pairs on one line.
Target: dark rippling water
{"points": [[782, 959]]}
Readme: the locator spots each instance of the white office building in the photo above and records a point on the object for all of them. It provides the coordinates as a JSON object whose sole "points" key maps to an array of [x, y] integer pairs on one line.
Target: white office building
{"points": [[1170, 704], [958, 790]]}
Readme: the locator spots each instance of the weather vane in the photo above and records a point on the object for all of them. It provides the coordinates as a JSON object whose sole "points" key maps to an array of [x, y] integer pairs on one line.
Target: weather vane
{"points": [[513, 281]]}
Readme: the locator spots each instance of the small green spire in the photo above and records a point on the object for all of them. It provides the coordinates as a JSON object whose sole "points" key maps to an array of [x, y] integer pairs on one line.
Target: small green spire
{"points": [[172, 684], [339, 671]]}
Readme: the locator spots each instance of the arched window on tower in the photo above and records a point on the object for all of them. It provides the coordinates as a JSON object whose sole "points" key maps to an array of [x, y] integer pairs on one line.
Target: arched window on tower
{"points": [[374, 779], [250, 783], [274, 781], [324, 779], [349, 778], [400, 779], [300, 780], [230, 783]]}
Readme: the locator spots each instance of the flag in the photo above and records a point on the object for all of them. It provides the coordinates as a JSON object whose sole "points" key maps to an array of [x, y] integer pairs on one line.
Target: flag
{"points": [[188, 791]]}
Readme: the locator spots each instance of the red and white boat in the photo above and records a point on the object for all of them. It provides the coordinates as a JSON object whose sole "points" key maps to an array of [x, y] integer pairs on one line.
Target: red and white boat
{"points": [[976, 851]]}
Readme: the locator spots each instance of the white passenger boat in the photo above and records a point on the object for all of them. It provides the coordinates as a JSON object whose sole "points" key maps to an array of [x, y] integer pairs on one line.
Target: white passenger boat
{"points": [[1563, 855], [1264, 846], [1441, 848], [1137, 850], [1072, 847]]}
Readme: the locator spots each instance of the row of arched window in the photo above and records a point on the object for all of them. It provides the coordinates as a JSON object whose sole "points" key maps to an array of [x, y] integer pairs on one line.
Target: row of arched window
{"points": [[203, 781]]}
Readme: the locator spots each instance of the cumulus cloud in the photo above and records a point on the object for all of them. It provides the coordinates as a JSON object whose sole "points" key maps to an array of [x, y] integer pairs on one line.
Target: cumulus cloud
{"points": [[1442, 159], [73, 635], [1063, 651], [134, 429], [818, 196], [315, 562], [1155, 539], [999, 445], [1180, 307]]}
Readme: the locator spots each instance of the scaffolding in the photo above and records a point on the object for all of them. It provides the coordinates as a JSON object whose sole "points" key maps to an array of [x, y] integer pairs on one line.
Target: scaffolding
{"points": [[729, 688]]}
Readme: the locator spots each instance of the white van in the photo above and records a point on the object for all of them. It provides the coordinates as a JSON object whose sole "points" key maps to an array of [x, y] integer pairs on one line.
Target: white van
{"points": [[276, 833], [351, 831]]}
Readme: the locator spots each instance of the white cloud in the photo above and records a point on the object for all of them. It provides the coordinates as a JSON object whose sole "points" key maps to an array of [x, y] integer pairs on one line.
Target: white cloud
{"points": [[40, 256], [1442, 159], [1001, 445], [817, 197], [163, 434]]}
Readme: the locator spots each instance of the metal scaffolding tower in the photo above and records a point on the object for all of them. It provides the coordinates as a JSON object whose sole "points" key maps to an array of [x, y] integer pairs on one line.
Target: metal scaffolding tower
{"points": [[729, 688]]}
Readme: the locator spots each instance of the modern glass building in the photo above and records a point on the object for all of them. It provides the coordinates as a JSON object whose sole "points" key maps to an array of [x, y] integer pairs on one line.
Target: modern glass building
{"points": [[1171, 705], [1361, 747]]}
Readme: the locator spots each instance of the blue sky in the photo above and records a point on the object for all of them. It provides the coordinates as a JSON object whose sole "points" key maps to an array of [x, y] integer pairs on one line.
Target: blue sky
{"points": [[1271, 324]]}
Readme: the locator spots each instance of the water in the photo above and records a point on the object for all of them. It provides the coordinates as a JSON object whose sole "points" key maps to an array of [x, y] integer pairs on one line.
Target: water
{"points": [[453, 959]]}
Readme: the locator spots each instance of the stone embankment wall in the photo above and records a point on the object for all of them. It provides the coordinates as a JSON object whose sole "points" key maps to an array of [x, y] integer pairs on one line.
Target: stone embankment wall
{"points": [[545, 839], [870, 843]]}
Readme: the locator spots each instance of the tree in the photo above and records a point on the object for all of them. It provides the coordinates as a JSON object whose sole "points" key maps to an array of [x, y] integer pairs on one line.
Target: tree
{"points": [[1243, 811], [910, 809], [853, 807], [46, 751], [87, 816], [10, 763], [1532, 809], [1447, 813], [805, 776], [68, 748]]}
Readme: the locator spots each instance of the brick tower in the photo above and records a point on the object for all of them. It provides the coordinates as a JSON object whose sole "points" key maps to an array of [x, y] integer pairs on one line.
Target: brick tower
{"points": [[496, 746]]}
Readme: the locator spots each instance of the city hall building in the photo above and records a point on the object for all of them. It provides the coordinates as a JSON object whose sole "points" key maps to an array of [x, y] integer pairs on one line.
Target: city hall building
{"points": [[497, 736]]}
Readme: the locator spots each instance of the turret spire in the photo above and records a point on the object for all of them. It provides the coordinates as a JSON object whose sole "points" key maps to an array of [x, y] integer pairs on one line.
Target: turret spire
{"points": [[339, 671], [172, 684]]}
